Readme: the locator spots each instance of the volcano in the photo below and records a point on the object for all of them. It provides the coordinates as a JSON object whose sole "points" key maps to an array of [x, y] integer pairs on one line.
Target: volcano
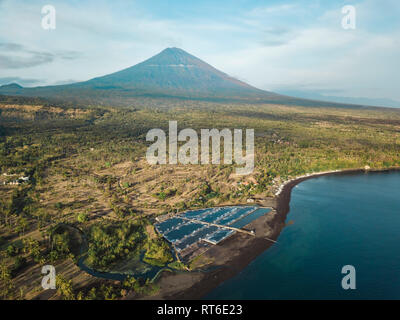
{"points": [[173, 73]]}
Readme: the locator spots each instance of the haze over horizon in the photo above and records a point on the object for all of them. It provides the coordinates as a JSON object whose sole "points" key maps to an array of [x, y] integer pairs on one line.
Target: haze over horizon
{"points": [[283, 46]]}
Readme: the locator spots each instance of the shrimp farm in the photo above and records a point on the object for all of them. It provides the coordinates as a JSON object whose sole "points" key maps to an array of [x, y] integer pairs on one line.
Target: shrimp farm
{"points": [[193, 232]]}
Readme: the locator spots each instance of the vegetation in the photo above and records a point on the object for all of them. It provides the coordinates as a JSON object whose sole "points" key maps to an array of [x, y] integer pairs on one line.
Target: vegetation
{"points": [[158, 253], [87, 170], [110, 243], [82, 217]]}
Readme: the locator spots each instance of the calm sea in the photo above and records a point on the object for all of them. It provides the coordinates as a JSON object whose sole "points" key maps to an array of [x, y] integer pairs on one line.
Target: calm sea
{"points": [[337, 221]]}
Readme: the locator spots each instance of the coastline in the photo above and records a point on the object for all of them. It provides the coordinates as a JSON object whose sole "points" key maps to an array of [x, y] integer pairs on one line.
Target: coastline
{"points": [[283, 194], [237, 252]]}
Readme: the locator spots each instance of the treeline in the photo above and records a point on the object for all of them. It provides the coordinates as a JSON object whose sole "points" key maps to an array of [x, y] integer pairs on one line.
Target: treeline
{"points": [[110, 243]]}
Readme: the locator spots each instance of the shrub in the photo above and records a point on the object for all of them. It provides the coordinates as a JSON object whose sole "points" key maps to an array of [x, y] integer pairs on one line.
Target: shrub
{"points": [[82, 217]]}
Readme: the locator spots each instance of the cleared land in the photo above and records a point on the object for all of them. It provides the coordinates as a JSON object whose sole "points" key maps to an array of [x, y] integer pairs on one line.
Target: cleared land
{"points": [[87, 170]]}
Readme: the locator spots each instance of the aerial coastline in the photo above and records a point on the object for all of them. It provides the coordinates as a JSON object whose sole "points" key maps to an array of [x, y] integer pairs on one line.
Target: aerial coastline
{"points": [[236, 252]]}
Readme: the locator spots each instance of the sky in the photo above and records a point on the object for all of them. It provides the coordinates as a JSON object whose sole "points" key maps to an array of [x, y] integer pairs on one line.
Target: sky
{"points": [[282, 46]]}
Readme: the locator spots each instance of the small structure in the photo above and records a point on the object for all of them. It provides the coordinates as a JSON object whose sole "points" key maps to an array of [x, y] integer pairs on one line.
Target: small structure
{"points": [[17, 181]]}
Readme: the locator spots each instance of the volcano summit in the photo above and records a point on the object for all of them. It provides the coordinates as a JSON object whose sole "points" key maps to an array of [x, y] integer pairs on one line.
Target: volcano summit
{"points": [[171, 73]]}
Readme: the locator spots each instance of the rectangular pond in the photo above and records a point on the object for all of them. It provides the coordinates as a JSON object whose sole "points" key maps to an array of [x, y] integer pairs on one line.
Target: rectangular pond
{"points": [[211, 225]]}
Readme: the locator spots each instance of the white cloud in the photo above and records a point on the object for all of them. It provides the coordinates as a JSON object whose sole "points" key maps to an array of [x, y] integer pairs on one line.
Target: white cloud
{"points": [[287, 45], [267, 10]]}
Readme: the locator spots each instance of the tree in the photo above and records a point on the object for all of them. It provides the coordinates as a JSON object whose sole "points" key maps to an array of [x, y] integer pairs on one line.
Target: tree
{"points": [[4, 210], [82, 217], [32, 247], [11, 250], [22, 224], [5, 277], [64, 288]]}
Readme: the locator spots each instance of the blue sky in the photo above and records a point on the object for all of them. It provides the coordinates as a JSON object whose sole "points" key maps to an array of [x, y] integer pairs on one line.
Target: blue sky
{"points": [[283, 46]]}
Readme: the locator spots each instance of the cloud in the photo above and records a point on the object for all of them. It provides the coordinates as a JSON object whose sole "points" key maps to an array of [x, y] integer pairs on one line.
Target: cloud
{"points": [[10, 46], [69, 55], [26, 60], [68, 81], [262, 11], [335, 96], [21, 81], [17, 56], [277, 36], [297, 44]]}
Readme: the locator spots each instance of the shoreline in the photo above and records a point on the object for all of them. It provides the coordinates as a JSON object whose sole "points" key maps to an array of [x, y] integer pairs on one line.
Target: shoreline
{"points": [[283, 194], [197, 284]]}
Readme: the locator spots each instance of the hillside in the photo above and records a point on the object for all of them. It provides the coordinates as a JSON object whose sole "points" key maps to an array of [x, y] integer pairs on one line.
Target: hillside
{"points": [[171, 74]]}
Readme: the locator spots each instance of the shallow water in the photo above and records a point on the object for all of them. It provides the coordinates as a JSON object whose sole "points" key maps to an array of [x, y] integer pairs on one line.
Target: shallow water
{"points": [[337, 221]]}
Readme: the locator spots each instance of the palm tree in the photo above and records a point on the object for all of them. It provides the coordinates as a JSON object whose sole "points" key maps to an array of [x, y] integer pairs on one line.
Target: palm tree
{"points": [[23, 223]]}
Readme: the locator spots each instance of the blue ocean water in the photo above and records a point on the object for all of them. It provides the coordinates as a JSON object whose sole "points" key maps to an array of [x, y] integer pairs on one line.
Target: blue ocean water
{"points": [[337, 220]]}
